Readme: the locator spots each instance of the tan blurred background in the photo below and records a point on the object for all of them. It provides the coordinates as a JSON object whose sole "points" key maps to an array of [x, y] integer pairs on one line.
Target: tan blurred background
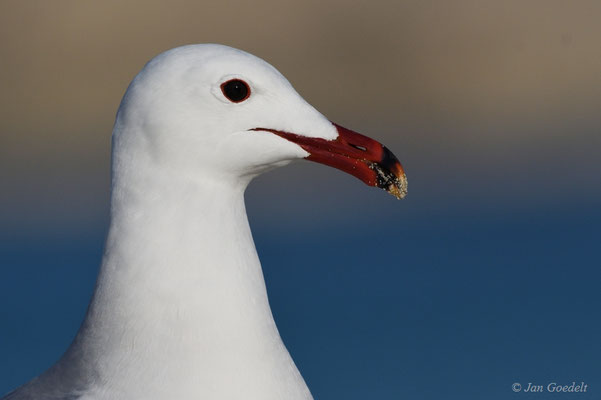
{"points": [[478, 98]]}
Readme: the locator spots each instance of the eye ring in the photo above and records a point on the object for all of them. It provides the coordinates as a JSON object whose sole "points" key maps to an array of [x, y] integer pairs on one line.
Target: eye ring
{"points": [[235, 90]]}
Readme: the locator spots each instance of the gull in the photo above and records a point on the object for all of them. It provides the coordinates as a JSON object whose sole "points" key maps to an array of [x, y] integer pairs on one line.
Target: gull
{"points": [[180, 308]]}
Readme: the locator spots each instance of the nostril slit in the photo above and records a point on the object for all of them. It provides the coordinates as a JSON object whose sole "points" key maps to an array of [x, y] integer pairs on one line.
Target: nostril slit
{"points": [[359, 147]]}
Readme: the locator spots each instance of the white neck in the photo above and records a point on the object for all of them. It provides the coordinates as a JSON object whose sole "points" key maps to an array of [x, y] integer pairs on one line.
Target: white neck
{"points": [[180, 308]]}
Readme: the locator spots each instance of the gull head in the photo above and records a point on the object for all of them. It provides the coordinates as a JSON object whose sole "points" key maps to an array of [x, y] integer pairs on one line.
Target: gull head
{"points": [[213, 112]]}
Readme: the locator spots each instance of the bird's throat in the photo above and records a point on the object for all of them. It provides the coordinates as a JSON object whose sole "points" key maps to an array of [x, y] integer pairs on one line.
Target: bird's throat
{"points": [[180, 302]]}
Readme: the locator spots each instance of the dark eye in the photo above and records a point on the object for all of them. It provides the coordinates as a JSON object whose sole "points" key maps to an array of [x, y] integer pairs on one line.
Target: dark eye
{"points": [[235, 90]]}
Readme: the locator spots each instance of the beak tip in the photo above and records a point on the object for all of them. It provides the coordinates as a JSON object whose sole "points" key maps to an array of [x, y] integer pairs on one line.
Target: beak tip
{"points": [[390, 175], [398, 188]]}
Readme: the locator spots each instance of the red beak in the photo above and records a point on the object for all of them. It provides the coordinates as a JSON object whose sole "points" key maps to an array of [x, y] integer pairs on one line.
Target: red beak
{"points": [[355, 154]]}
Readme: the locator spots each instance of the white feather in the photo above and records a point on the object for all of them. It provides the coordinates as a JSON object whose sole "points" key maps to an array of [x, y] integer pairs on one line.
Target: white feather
{"points": [[180, 309]]}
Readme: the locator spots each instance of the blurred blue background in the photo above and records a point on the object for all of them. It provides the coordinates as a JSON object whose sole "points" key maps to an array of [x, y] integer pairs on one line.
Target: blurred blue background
{"points": [[487, 274]]}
